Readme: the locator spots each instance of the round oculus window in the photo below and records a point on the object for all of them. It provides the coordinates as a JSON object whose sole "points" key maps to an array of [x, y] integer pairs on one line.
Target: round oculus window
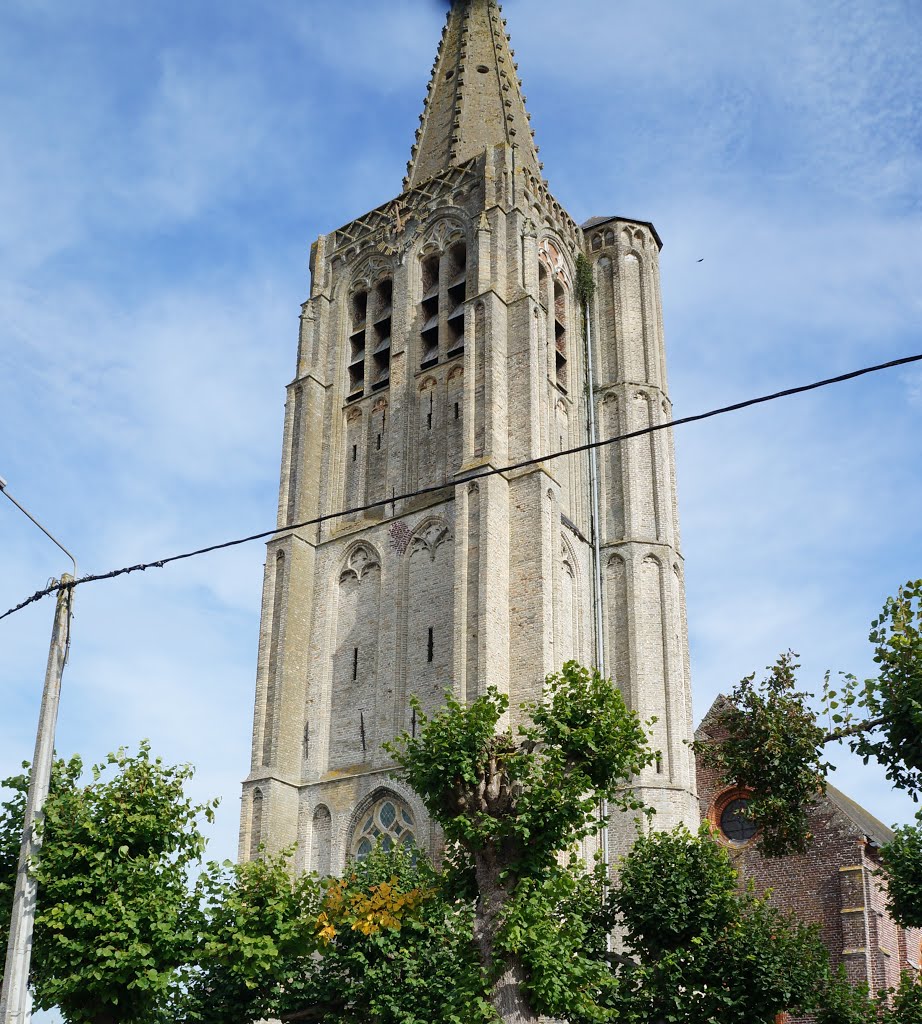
{"points": [[734, 824]]}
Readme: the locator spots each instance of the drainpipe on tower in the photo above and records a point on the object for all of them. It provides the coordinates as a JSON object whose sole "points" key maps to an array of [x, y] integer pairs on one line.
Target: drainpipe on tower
{"points": [[585, 289]]}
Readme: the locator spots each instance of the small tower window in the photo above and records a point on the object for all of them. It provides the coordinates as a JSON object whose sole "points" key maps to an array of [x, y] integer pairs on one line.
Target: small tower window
{"points": [[256, 824], [429, 335], [371, 315], [444, 290], [357, 345], [381, 331], [560, 335], [457, 292], [553, 295]]}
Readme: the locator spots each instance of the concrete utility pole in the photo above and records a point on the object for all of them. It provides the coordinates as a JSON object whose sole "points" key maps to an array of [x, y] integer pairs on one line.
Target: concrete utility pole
{"points": [[15, 1004]]}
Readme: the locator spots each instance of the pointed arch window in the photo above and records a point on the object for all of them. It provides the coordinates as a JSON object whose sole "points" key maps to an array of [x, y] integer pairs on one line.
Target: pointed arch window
{"points": [[389, 821], [256, 823], [370, 318], [554, 296], [321, 841], [442, 310]]}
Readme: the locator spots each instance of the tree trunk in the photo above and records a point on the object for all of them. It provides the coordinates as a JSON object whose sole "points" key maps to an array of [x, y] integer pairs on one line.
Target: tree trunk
{"points": [[507, 994]]}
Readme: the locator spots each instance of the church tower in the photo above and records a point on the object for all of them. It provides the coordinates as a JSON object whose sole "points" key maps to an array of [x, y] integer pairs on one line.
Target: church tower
{"points": [[443, 338]]}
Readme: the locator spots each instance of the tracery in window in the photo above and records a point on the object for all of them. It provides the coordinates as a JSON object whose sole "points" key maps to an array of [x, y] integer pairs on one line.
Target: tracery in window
{"points": [[388, 821]]}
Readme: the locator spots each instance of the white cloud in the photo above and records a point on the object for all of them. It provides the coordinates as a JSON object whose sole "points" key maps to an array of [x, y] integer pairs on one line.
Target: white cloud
{"points": [[157, 199], [356, 45], [211, 130]]}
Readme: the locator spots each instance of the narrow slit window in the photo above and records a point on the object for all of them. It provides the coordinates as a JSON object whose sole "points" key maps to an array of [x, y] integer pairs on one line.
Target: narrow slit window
{"points": [[430, 646], [355, 452], [355, 663]]}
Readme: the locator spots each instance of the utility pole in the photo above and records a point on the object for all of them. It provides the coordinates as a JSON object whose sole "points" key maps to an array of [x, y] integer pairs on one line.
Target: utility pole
{"points": [[15, 1003]]}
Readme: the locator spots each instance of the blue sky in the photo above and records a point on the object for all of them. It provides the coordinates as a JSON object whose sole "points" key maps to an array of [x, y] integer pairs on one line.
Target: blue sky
{"points": [[163, 171]]}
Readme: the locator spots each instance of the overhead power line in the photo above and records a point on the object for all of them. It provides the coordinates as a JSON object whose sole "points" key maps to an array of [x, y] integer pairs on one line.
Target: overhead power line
{"points": [[477, 475]]}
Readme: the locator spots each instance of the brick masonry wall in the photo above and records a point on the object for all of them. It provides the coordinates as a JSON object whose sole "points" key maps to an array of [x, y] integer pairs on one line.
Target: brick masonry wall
{"points": [[832, 886]]}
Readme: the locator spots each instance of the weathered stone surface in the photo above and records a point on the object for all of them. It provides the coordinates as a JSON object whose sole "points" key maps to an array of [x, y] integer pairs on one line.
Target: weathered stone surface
{"points": [[442, 338]]}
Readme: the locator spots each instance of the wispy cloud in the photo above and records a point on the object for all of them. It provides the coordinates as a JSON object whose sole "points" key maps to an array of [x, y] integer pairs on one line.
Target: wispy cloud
{"points": [[163, 170]]}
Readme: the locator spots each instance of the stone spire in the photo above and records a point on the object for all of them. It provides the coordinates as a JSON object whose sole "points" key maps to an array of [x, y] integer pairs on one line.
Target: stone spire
{"points": [[475, 97]]}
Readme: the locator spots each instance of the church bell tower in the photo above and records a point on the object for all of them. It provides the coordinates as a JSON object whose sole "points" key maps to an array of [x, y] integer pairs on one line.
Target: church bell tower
{"points": [[443, 338]]}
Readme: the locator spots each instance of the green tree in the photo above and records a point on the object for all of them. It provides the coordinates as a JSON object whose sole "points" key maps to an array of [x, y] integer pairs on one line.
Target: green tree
{"points": [[699, 947], [844, 1003], [386, 943], [509, 803], [398, 941], [773, 742], [256, 937], [12, 814], [116, 917]]}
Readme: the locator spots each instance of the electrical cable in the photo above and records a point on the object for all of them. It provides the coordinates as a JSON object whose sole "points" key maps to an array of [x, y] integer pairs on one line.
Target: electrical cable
{"points": [[468, 478]]}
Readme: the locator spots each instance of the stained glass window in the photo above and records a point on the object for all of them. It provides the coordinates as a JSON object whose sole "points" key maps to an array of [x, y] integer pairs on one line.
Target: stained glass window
{"points": [[390, 822]]}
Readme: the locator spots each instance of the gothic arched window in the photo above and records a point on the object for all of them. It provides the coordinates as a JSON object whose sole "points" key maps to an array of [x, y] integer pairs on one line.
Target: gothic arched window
{"points": [[256, 823], [321, 840], [444, 290], [370, 338], [553, 287], [388, 821]]}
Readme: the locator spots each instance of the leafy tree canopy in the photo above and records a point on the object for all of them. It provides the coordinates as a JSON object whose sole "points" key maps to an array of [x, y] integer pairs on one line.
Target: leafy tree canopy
{"points": [[703, 949], [385, 943], [115, 914], [508, 803], [844, 1003], [771, 741]]}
